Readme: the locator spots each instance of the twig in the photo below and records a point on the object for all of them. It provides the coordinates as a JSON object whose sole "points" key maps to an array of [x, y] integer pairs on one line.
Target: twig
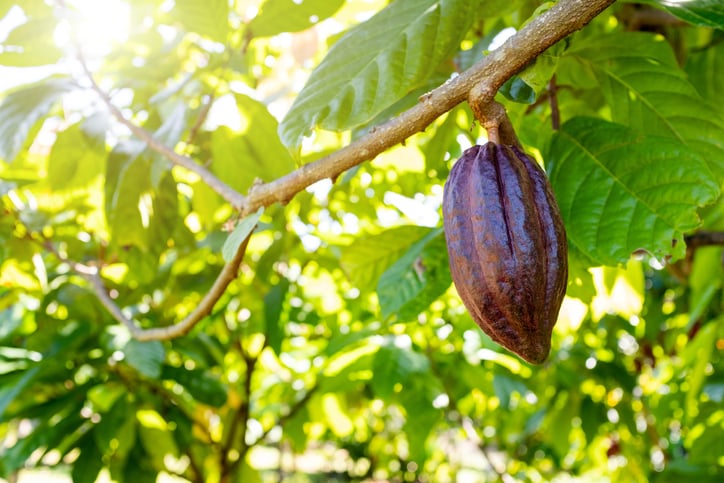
{"points": [[553, 100], [225, 277], [232, 196]]}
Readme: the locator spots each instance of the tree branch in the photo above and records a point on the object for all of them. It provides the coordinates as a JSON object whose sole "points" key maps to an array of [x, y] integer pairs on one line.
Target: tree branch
{"points": [[232, 196], [566, 17], [225, 277]]}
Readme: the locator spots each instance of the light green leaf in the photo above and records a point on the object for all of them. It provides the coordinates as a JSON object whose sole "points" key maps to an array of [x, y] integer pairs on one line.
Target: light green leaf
{"points": [[31, 44], [145, 357], [394, 365], [647, 91], [376, 63], [75, 161], [23, 108], [240, 233], [619, 191], [277, 16], [253, 151], [127, 178], [367, 258], [205, 17], [417, 279]]}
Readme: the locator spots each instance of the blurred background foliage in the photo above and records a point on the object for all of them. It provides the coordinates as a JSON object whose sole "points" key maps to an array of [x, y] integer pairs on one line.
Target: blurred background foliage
{"points": [[342, 352]]}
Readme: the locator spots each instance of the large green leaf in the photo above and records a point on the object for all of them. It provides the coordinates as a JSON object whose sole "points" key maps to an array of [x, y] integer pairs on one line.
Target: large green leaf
{"points": [[23, 108], [278, 16], [365, 260], [620, 191], [393, 365], [705, 13], [376, 63], [647, 91], [414, 281]]}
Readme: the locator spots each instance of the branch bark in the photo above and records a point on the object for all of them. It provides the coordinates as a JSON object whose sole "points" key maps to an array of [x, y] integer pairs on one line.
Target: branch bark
{"points": [[566, 17]]}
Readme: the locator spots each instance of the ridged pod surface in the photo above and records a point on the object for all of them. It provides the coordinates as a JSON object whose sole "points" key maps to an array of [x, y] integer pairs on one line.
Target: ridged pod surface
{"points": [[507, 247]]}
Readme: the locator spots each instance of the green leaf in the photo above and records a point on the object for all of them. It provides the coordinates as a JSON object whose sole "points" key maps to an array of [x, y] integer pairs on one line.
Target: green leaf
{"points": [[367, 258], [201, 384], [127, 177], [31, 44], [394, 365], [145, 357], [517, 90], [417, 279], [205, 17], [23, 108], [646, 90], [376, 63], [619, 191], [89, 462], [75, 161], [273, 305], [705, 13], [277, 16], [253, 151], [115, 434], [241, 232], [705, 69]]}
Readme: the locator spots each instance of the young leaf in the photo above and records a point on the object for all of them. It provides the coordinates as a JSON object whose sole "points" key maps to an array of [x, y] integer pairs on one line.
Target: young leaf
{"points": [[619, 191], [376, 63], [205, 17], [277, 16], [240, 233]]}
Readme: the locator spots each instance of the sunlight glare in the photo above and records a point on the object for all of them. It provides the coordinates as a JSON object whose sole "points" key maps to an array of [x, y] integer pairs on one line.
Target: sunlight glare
{"points": [[98, 25]]}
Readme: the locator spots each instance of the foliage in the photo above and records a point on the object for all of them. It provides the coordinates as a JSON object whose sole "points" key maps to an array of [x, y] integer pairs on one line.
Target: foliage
{"points": [[342, 340]]}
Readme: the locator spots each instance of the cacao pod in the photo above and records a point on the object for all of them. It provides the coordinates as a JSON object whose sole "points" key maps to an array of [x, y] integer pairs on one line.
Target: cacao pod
{"points": [[507, 246]]}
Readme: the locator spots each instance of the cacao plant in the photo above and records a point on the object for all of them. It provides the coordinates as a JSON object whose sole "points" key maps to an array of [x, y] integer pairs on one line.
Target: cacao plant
{"points": [[507, 246]]}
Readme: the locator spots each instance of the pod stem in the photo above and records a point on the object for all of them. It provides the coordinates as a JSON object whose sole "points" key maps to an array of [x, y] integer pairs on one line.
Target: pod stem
{"points": [[492, 116]]}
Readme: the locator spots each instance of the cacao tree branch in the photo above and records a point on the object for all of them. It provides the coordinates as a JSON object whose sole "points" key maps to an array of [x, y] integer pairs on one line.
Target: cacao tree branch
{"points": [[566, 17], [204, 308], [232, 196]]}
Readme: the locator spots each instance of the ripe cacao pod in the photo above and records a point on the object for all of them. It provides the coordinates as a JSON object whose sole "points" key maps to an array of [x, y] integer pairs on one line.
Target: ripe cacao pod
{"points": [[507, 246]]}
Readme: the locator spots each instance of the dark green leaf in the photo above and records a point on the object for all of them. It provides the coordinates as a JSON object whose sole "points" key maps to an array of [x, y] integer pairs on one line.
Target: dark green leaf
{"points": [[376, 63], [201, 384], [88, 464], [393, 366], [277, 16], [705, 13], [417, 279], [646, 90], [517, 90], [273, 305], [619, 191]]}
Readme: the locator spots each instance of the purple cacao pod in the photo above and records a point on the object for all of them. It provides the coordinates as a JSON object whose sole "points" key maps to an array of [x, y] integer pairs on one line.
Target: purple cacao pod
{"points": [[507, 247]]}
